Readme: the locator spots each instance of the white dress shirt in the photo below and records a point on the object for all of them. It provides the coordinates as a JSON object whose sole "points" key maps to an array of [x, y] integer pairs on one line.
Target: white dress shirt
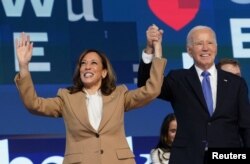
{"points": [[94, 108], [147, 58]]}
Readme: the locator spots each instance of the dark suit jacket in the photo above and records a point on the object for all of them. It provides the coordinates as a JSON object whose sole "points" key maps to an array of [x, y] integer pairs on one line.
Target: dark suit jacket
{"points": [[196, 129]]}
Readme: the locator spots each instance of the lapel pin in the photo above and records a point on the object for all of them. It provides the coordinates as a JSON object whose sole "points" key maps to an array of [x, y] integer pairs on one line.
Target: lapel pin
{"points": [[225, 80]]}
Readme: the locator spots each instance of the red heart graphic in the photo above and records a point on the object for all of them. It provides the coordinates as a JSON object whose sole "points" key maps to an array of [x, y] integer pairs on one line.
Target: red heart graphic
{"points": [[175, 13]]}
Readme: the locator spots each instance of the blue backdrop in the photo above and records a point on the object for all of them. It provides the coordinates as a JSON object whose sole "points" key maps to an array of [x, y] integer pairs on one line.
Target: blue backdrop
{"points": [[61, 30]]}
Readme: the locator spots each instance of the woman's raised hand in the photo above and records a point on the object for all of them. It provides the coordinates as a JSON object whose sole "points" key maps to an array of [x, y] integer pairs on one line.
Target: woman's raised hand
{"points": [[24, 51]]}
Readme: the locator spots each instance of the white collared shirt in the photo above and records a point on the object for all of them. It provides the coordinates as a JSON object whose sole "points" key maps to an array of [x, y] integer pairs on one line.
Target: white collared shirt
{"points": [[213, 81], [147, 58], [94, 108]]}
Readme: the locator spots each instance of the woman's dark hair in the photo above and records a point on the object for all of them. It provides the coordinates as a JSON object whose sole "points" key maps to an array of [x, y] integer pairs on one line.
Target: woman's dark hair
{"points": [[108, 83], [163, 142]]}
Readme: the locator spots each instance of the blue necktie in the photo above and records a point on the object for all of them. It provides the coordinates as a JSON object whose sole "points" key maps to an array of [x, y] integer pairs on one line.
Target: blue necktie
{"points": [[206, 88]]}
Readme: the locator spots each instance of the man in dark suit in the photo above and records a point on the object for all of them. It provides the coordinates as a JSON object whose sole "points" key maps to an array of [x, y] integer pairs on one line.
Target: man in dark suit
{"points": [[199, 129]]}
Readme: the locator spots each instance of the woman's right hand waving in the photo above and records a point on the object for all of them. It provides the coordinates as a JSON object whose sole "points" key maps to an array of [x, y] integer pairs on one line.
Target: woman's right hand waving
{"points": [[24, 52]]}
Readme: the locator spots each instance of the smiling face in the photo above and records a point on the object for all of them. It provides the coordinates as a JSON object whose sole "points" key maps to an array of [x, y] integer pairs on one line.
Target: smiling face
{"points": [[202, 47], [91, 71]]}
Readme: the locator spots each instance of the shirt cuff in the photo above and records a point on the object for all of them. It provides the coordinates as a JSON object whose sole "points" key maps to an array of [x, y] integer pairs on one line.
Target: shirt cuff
{"points": [[147, 58]]}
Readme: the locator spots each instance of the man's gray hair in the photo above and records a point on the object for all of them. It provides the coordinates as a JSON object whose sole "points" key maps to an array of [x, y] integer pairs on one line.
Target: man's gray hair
{"points": [[189, 36]]}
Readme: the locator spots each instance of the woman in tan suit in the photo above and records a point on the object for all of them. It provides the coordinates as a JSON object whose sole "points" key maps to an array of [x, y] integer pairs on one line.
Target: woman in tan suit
{"points": [[93, 108]]}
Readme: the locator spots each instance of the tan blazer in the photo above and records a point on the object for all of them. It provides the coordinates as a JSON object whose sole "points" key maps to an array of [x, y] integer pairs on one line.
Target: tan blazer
{"points": [[84, 145]]}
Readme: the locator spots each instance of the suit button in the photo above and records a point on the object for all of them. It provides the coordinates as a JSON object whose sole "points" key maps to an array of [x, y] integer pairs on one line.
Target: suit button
{"points": [[97, 135], [101, 151], [209, 123]]}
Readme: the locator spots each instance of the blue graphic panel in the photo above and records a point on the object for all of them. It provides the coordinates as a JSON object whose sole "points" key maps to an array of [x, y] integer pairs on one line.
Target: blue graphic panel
{"points": [[61, 30], [46, 149]]}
